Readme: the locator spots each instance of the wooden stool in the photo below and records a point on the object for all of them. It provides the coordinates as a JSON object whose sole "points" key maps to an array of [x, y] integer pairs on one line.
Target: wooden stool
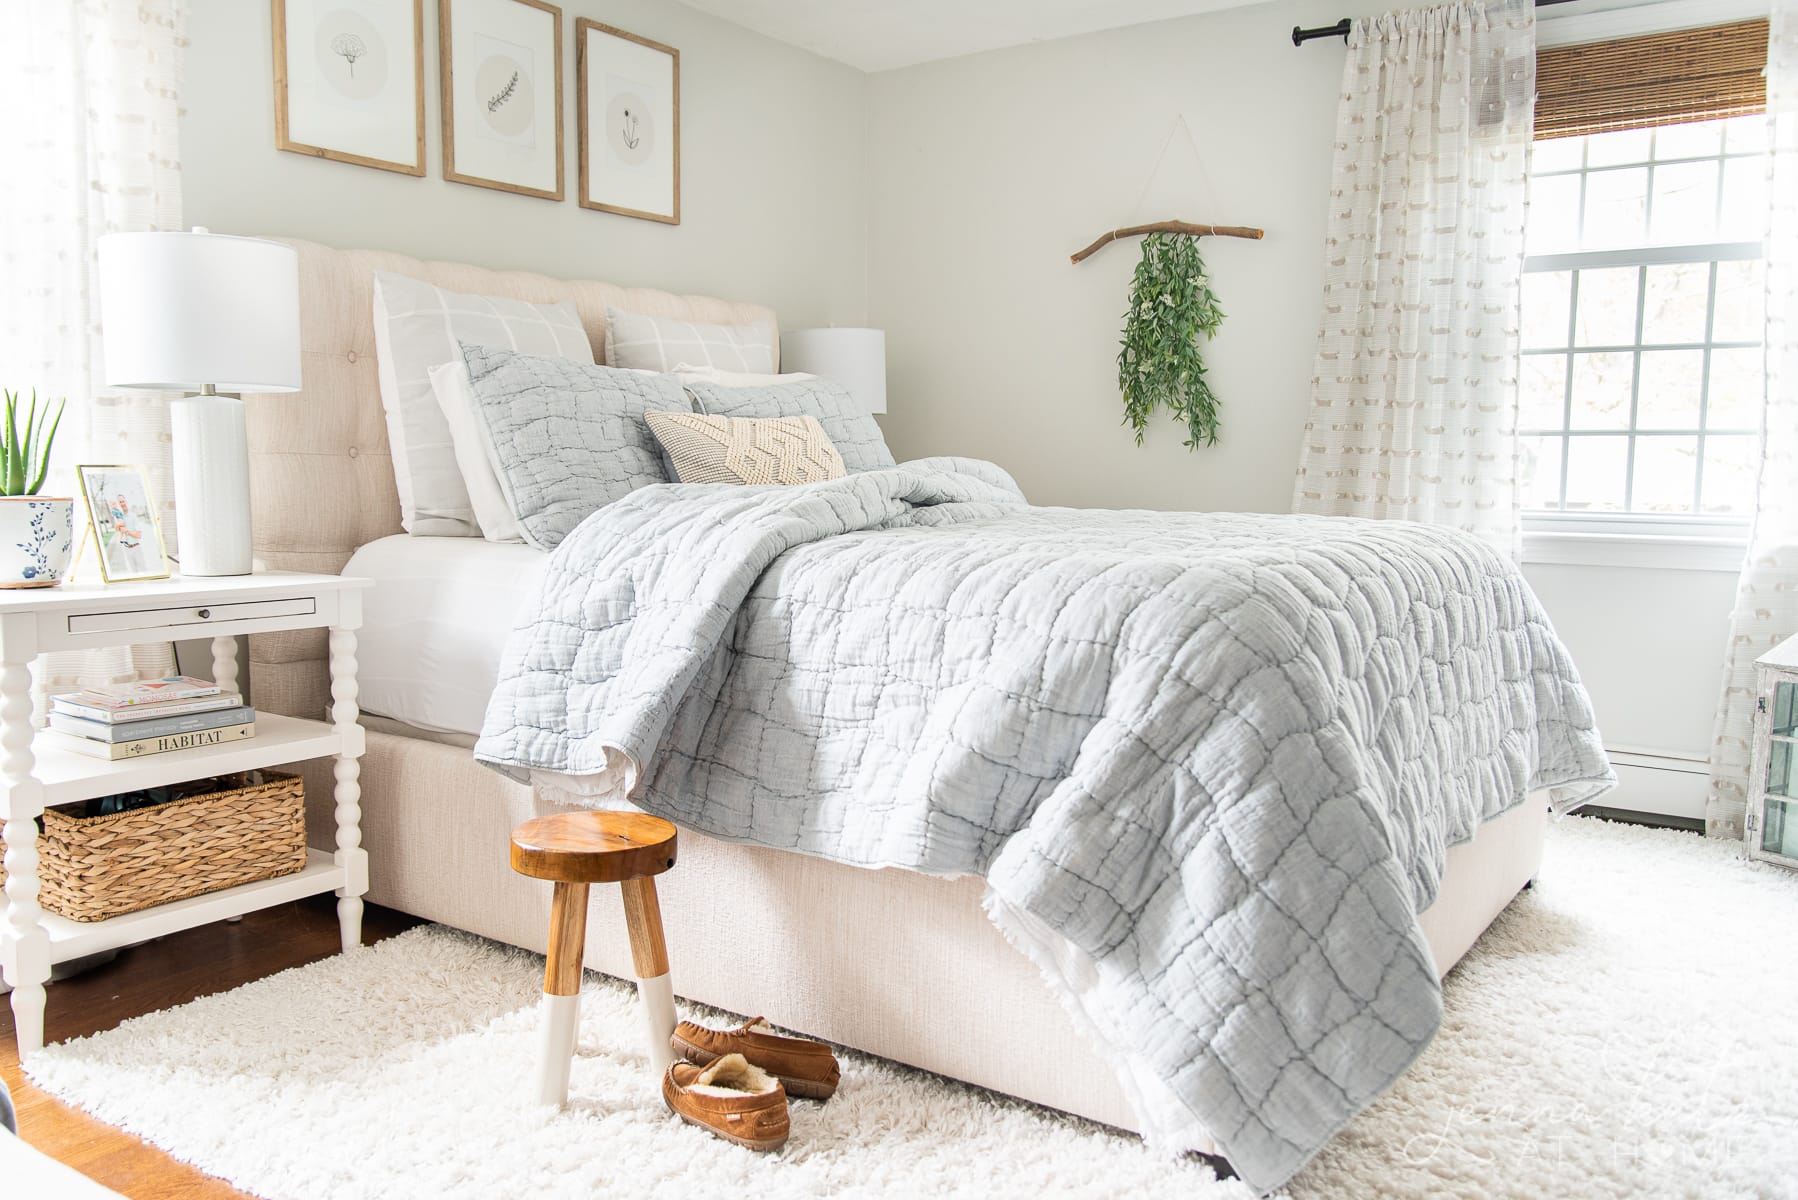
{"points": [[574, 850]]}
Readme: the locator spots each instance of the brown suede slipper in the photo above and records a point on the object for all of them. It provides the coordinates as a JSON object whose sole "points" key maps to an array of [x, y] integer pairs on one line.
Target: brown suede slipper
{"points": [[732, 1098], [805, 1068]]}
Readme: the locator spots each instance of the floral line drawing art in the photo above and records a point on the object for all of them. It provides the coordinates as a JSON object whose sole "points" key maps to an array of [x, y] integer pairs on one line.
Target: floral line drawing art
{"points": [[629, 123], [504, 94], [350, 47]]}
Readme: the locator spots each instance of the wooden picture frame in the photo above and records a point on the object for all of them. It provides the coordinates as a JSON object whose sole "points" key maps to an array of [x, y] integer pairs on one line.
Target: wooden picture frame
{"points": [[506, 137], [122, 561], [349, 118], [609, 180]]}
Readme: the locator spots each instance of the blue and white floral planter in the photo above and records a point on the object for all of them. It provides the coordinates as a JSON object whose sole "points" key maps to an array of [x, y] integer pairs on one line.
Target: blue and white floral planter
{"points": [[37, 534]]}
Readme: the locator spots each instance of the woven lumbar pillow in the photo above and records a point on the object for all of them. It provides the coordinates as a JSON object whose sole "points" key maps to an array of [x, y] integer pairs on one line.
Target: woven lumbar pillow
{"points": [[750, 450]]}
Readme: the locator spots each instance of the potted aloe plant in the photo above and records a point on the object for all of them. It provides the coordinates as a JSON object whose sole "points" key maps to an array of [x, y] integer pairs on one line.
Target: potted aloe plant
{"points": [[36, 532]]}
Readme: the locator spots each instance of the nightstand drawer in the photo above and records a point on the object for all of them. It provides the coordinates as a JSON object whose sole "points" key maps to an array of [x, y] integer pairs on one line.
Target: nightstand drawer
{"points": [[191, 617]]}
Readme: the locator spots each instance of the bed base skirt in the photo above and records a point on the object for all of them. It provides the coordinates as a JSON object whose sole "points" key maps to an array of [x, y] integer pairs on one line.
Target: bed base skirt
{"points": [[898, 964]]}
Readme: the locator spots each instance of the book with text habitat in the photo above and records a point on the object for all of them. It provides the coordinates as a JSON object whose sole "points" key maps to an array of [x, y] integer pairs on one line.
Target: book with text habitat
{"points": [[158, 745]]}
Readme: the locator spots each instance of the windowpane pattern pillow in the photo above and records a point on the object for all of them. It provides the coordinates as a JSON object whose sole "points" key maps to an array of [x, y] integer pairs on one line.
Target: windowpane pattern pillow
{"points": [[783, 450], [663, 343], [846, 423], [417, 327], [565, 438]]}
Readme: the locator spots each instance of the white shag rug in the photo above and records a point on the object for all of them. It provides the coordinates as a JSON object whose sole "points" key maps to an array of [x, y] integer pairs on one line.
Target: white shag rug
{"points": [[1627, 1028]]}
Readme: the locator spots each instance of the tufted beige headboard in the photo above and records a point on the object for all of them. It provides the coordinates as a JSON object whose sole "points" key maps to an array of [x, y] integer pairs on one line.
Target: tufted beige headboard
{"points": [[321, 474]]}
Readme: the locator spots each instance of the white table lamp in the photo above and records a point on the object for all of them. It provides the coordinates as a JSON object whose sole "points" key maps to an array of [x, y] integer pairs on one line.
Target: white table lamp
{"points": [[855, 358], [209, 312]]}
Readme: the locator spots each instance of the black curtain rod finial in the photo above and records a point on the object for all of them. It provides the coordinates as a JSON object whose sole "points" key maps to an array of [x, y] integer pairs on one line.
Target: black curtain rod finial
{"points": [[1340, 29]]}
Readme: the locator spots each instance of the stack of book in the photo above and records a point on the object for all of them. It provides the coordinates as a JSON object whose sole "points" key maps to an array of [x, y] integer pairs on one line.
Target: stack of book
{"points": [[150, 716]]}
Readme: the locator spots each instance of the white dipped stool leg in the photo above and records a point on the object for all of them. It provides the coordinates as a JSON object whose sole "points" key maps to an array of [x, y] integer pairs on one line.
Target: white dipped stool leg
{"points": [[649, 953], [561, 991], [555, 1051], [657, 998]]}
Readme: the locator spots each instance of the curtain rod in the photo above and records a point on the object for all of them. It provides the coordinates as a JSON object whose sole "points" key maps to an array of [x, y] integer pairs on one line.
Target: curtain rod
{"points": [[1341, 28]]}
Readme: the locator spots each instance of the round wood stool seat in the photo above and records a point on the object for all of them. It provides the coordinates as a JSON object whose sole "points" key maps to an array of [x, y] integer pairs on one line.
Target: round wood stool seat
{"points": [[593, 847], [575, 850]]}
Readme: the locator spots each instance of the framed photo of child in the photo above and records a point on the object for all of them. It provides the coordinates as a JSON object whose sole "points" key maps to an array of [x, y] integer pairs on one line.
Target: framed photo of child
{"points": [[123, 523]]}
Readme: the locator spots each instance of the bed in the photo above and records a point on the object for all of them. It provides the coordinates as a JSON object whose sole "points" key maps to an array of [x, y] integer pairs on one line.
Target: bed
{"points": [[890, 961]]}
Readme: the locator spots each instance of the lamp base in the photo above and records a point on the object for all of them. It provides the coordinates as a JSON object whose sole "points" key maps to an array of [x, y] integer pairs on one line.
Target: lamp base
{"points": [[212, 485]]}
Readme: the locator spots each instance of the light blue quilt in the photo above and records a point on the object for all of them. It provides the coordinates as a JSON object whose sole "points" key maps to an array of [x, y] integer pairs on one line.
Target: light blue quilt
{"points": [[1209, 764]]}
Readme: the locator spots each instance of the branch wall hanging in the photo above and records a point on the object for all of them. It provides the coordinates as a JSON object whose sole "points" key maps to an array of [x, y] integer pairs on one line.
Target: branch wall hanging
{"points": [[1171, 307]]}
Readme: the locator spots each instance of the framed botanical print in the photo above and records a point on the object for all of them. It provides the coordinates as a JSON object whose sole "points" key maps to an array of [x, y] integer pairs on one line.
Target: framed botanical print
{"points": [[123, 522], [502, 94], [350, 81], [628, 114]]}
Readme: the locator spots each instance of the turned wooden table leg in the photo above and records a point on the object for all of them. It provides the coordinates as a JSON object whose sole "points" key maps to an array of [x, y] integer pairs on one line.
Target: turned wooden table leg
{"points": [[40, 695], [224, 662], [562, 991], [347, 774], [224, 673], [649, 953], [24, 942]]}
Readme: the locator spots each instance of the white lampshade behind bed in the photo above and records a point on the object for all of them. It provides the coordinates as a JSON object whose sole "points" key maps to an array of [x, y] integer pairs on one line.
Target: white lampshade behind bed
{"points": [[219, 314], [855, 358]]}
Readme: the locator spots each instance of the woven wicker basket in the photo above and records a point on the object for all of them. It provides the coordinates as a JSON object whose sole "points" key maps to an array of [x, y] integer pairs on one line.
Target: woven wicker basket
{"points": [[98, 867]]}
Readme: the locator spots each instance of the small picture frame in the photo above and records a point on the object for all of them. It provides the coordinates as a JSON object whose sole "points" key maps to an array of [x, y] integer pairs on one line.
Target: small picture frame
{"points": [[501, 68], [628, 118], [350, 82], [123, 522]]}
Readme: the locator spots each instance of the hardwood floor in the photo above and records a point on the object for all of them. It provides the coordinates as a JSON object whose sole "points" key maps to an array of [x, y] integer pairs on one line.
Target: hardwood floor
{"points": [[162, 974]]}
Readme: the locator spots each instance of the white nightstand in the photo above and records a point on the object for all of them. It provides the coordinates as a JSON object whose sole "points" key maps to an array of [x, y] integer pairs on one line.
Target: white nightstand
{"points": [[36, 772]]}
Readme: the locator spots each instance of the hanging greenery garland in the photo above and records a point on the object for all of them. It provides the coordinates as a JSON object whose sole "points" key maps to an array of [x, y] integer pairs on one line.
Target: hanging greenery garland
{"points": [[1171, 304]]}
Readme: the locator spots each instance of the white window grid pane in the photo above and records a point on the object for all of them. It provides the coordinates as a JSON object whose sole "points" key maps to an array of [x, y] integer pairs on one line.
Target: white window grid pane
{"points": [[1586, 170], [1641, 259], [1699, 428]]}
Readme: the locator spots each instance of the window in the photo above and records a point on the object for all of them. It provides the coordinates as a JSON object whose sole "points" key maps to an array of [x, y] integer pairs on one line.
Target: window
{"points": [[1642, 370]]}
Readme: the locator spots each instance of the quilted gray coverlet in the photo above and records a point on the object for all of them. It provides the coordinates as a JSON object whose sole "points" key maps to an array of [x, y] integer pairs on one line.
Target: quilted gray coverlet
{"points": [[1209, 764]]}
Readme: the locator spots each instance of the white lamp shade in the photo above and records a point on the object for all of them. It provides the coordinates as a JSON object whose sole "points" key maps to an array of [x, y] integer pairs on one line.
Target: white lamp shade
{"points": [[183, 310], [855, 358]]}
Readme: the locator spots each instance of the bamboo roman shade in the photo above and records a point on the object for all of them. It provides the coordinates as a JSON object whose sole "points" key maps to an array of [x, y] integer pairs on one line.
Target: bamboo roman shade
{"points": [[1661, 79]]}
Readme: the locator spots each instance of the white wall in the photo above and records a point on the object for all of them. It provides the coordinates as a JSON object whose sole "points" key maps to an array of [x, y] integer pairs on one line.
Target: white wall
{"points": [[986, 172], [1649, 645], [772, 182]]}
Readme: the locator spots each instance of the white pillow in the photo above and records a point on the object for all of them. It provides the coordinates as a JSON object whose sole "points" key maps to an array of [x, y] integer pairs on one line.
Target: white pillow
{"points": [[417, 327], [658, 343], [691, 374], [449, 383]]}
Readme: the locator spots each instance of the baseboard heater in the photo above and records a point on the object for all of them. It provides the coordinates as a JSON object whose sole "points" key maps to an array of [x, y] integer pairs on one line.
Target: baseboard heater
{"points": [[1658, 782]]}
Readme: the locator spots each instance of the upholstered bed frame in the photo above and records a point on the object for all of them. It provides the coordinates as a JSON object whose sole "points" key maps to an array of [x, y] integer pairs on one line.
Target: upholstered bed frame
{"points": [[899, 964]]}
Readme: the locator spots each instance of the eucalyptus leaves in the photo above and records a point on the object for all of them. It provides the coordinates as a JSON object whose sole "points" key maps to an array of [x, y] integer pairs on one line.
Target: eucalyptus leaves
{"points": [[1171, 304]]}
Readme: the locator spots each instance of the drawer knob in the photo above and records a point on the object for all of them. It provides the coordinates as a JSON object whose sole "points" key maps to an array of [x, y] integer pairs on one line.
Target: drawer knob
{"points": [[205, 614]]}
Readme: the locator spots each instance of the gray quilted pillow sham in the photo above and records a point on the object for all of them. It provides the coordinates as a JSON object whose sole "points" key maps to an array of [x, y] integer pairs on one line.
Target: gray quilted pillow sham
{"points": [[846, 423], [565, 438]]}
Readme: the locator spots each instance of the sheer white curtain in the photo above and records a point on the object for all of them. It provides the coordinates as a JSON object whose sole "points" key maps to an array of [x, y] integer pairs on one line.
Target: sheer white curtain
{"points": [[91, 143], [1766, 607], [1414, 401]]}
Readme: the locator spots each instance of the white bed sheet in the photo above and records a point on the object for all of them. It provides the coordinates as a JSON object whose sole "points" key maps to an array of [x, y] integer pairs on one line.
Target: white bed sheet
{"points": [[435, 623]]}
